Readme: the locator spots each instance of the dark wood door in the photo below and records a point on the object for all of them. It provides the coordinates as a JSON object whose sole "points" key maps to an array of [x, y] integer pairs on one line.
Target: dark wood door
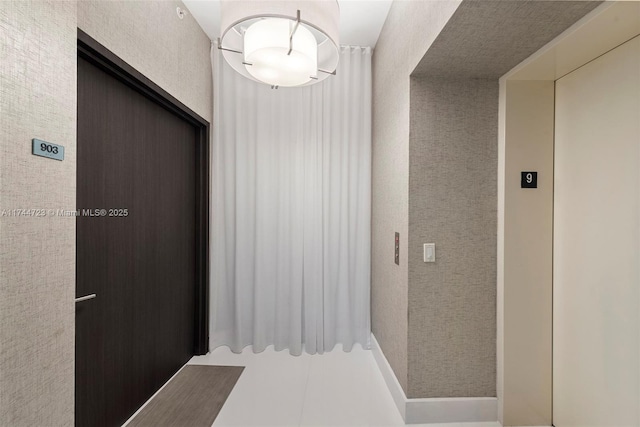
{"points": [[137, 156]]}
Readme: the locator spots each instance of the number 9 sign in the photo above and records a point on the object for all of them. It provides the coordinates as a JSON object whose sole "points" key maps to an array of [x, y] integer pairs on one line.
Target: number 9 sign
{"points": [[529, 180]]}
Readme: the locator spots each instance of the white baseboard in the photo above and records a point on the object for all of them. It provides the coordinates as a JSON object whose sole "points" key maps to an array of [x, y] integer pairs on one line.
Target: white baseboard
{"points": [[393, 385], [436, 410], [451, 410]]}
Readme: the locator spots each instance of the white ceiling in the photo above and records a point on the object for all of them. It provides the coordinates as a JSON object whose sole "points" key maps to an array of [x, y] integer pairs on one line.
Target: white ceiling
{"points": [[360, 20]]}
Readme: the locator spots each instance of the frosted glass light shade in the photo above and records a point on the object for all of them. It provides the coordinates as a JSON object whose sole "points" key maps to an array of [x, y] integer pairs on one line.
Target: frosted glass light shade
{"points": [[267, 56], [257, 32]]}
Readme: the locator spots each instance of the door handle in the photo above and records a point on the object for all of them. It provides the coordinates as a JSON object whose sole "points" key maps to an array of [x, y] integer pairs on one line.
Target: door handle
{"points": [[86, 297]]}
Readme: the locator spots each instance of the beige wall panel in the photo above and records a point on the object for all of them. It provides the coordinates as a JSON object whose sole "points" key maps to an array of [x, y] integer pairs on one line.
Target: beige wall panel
{"points": [[527, 285]]}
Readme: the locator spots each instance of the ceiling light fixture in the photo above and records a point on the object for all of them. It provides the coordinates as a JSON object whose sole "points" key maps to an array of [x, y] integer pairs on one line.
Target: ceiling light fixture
{"points": [[281, 43]]}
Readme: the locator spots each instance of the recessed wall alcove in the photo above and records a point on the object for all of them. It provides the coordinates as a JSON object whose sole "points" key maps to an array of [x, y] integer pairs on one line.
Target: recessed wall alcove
{"points": [[463, 340]]}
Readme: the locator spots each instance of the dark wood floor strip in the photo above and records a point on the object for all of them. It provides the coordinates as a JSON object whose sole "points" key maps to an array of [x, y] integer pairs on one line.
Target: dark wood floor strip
{"points": [[192, 398]]}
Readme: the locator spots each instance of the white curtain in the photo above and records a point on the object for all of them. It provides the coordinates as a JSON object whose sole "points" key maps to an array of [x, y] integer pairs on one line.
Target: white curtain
{"points": [[291, 210]]}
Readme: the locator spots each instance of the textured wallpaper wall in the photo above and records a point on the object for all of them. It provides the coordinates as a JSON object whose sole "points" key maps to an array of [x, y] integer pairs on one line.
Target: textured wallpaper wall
{"points": [[37, 254], [38, 100], [453, 203], [408, 32], [148, 35]]}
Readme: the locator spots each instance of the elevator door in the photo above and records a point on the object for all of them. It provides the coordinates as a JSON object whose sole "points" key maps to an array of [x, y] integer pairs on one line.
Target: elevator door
{"points": [[596, 305]]}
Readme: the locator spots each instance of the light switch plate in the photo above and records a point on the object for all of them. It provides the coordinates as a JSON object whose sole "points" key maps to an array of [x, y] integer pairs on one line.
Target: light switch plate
{"points": [[429, 252]]}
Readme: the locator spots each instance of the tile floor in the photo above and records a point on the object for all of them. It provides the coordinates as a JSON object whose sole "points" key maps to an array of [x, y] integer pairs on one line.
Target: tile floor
{"points": [[333, 389]]}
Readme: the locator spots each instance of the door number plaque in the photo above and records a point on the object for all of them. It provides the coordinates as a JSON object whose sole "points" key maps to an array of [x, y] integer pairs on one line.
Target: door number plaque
{"points": [[47, 149]]}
